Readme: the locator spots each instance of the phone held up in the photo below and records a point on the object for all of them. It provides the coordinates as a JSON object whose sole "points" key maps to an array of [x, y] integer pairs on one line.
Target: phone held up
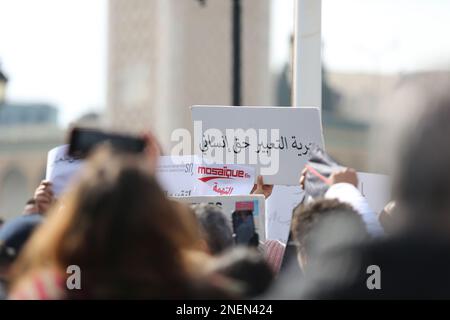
{"points": [[244, 228], [83, 141]]}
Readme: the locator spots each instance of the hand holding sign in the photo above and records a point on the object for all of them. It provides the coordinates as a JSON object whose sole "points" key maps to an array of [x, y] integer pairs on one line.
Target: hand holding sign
{"points": [[44, 196], [61, 169], [261, 188], [346, 175]]}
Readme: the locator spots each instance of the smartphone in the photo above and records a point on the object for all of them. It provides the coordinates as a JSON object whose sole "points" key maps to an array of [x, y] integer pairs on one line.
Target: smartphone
{"points": [[82, 141], [244, 228]]}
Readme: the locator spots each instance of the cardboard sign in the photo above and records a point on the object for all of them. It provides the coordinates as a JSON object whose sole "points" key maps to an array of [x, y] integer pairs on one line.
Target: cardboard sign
{"points": [[61, 169], [229, 204], [274, 140], [221, 180]]}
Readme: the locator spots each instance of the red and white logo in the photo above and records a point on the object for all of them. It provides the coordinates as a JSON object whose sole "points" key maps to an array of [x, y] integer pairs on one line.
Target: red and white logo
{"points": [[212, 173]]}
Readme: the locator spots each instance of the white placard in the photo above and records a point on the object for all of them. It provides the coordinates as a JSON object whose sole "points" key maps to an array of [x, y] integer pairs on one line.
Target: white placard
{"points": [[280, 205], [176, 175], [221, 180], [274, 140], [229, 205], [61, 169], [184, 176], [376, 188]]}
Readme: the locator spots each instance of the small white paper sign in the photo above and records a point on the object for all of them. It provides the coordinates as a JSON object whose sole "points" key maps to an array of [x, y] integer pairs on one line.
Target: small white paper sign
{"points": [[221, 180], [176, 175], [376, 188], [274, 140], [280, 206], [229, 204], [61, 169]]}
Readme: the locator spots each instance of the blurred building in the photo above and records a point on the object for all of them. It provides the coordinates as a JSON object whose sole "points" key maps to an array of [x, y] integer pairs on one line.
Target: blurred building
{"points": [[27, 132], [13, 114], [347, 117], [166, 55], [347, 125]]}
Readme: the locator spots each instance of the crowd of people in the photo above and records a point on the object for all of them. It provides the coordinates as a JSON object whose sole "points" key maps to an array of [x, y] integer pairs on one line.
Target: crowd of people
{"points": [[132, 242]]}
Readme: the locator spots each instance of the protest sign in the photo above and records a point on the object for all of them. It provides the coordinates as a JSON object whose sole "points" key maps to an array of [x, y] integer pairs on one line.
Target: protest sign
{"points": [[183, 176], [61, 169], [176, 175], [224, 179], [229, 204], [376, 188], [280, 205], [274, 140]]}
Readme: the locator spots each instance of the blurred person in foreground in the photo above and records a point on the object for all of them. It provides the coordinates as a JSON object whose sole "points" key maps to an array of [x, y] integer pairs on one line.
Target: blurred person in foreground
{"points": [[15, 233], [413, 262], [318, 228], [127, 238], [247, 268], [422, 175], [5, 262]]}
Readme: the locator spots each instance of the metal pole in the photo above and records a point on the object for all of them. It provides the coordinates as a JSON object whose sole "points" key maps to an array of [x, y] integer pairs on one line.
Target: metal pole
{"points": [[307, 88], [236, 52]]}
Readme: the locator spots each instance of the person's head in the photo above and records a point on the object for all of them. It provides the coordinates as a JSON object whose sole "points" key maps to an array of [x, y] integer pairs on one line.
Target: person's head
{"points": [[14, 234], [247, 268], [324, 223], [215, 229], [423, 186], [410, 142], [6, 260], [386, 266], [119, 228]]}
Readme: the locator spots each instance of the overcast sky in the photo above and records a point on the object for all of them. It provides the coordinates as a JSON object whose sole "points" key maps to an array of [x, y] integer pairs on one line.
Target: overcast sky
{"points": [[55, 50], [386, 35]]}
